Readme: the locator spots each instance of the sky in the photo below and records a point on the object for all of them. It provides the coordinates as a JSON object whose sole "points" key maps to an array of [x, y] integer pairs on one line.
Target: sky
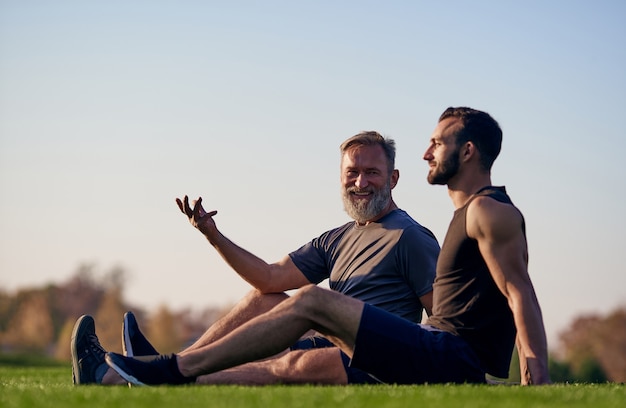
{"points": [[111, 110]]}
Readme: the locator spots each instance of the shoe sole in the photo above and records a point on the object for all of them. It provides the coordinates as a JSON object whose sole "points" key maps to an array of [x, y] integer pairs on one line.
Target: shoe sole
{"points": [[129, 378], [79, 326], [127, 345]]}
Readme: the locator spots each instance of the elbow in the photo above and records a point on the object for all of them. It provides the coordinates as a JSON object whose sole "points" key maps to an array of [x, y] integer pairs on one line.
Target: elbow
{"points": [[265, 287], [271, 283]]}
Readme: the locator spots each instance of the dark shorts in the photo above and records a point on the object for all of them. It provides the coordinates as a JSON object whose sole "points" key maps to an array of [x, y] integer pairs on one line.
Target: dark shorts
{"points": [[355, 376], [396, 350]]}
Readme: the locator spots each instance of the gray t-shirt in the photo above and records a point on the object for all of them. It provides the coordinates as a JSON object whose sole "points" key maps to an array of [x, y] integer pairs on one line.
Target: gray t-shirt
{"points": [[389, 263]]}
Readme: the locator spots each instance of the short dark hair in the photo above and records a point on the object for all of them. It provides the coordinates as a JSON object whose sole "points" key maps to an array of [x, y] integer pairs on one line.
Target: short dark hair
{"points": [[371, 138], [480, 128]]}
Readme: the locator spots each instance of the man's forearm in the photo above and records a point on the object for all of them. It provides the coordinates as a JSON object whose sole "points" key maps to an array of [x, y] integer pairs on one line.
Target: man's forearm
{"points": [[536, 372], [532, 346], [251, 268]]}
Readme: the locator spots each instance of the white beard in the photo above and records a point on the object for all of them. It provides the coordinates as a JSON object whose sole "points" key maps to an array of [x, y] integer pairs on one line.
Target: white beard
{"points": [[363, 211]]}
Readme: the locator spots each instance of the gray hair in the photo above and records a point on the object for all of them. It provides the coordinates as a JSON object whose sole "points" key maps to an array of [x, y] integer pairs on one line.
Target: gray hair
{"points": [[372, 138]]}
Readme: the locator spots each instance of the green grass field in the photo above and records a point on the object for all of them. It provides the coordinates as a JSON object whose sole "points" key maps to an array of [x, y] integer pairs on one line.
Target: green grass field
{"points": [[26, 385]]}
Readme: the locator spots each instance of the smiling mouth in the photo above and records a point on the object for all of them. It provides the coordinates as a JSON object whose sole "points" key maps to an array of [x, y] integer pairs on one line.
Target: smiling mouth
{"points": [[360, 195]]}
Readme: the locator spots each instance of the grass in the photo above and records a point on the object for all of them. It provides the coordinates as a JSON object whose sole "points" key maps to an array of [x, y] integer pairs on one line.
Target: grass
{"points": [[23, 384]]}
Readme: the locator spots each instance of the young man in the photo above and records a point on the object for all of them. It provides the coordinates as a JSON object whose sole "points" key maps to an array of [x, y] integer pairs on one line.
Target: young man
{"points": [[384, 258], [482, 291], [483, 299]]}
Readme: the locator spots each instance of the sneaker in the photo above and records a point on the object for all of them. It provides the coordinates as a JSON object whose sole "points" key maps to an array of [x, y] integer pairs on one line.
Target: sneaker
{"points": [[88, 365], [134, 343], [150, 370]]}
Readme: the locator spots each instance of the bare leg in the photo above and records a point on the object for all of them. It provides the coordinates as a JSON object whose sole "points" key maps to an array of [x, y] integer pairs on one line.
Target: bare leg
{"points": [[315, 366], [113, 378], [253, 304], [335, 315]]}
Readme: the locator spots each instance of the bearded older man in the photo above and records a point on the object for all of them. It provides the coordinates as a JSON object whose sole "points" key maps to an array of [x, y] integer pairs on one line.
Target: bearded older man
{"points": [[383, 257]]}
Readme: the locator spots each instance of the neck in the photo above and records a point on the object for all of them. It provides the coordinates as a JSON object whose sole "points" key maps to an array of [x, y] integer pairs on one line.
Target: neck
{"points": [[460, 191]]}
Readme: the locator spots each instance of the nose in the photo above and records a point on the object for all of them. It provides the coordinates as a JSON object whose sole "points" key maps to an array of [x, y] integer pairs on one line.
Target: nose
{"points": [[428, 154], [361, 181]]}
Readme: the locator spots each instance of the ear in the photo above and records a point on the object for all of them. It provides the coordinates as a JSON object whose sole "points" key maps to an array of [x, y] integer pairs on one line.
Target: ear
{"points": [[468, 151], [395, 175]]}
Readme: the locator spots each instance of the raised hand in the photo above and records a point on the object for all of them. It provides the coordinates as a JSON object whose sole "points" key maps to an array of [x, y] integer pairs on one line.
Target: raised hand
{"points": [[198, 217]]}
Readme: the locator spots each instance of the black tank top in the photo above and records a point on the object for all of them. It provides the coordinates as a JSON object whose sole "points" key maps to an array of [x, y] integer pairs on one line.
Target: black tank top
{"points": [[466, 300]]}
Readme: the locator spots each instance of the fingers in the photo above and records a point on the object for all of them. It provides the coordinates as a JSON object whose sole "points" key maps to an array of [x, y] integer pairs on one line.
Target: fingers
{"points": [[188, 209], [183, 206], [197, 212], [180, 205]]}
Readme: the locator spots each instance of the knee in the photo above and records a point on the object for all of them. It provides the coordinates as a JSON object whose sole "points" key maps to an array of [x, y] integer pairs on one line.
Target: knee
{"points": [[308, 290], [263, 300], [309, 297], [252, 295]]}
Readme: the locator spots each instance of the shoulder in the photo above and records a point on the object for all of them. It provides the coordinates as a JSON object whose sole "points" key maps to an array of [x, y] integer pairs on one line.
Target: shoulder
{"points": [[399, 219], [412, 229], [487, 217], [329, 238]]}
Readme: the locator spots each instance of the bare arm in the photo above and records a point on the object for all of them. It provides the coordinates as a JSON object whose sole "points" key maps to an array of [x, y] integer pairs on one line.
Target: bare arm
{"points": [[268, 278], [497, 228]]}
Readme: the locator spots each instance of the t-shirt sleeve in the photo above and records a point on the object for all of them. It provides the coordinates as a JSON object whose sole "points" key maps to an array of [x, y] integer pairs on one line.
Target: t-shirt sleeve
{"points": [[311, 260], [317, 258], [418, 250]]}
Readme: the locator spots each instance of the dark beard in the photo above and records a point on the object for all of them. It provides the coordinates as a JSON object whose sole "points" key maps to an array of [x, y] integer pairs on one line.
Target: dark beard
{"points": [[363, 212], [445, 170]]}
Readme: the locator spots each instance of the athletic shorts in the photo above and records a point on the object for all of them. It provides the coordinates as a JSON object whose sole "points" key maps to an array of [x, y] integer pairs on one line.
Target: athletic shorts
{"points": [[396, 350], [355, 376]]}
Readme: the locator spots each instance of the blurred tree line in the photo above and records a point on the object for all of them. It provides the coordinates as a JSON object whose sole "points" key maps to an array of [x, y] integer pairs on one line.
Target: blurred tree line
{"points": [[39, 321], [592, 349]]}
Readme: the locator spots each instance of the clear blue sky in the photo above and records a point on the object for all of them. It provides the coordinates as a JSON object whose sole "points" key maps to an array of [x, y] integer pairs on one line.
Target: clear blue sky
{"points": [[110, 110]]}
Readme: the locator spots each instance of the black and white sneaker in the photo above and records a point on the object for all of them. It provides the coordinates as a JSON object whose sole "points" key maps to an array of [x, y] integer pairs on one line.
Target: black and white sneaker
{"points": [[88, 365], [134, 343], [151, 370]]}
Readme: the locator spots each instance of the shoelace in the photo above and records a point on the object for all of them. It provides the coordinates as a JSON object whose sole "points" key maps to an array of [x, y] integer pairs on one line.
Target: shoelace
{"points": [[96, 348]]}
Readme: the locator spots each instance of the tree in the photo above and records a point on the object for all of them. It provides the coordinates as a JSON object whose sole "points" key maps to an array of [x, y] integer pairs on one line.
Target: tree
{"points": [[30, 328], [560, 371], [6, 304], [81, 294], [595, 347], [109, 315], [41, 319], [62, 347], [164, 331]]}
